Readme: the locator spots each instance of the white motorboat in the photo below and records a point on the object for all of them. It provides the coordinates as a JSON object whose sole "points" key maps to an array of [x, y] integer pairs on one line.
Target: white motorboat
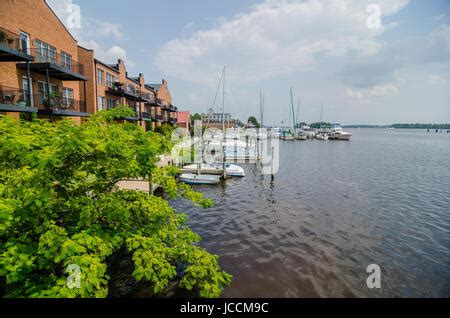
{"points": [[300, 134], [322, 136], [191, 178], [216, 169], [309, 132], [337, 133]]}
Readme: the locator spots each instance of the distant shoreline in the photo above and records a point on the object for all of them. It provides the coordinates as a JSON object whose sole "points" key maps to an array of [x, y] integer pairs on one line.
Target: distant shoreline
{"points": [[403, 126]]}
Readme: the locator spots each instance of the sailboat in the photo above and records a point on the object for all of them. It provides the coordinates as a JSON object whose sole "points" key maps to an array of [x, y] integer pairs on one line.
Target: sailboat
{"points": [[299, 133], [210, 173], [321, 135], [289, 133]]}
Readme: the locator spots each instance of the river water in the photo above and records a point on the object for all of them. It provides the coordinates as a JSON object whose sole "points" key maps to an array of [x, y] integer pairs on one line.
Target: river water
{"points": [[334, 208]]}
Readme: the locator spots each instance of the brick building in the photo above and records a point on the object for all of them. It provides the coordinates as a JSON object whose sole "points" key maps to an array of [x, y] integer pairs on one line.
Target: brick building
{"points": [[39, 68], [43, 70]]}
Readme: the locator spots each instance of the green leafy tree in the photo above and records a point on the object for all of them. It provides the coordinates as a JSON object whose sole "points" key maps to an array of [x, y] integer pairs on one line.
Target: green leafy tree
{"points": [[254, 121], [320, 125], [60, 209]]}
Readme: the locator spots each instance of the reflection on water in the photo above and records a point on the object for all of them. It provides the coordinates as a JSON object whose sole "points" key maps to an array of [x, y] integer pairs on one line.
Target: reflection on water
{"points": [[333, 209]]}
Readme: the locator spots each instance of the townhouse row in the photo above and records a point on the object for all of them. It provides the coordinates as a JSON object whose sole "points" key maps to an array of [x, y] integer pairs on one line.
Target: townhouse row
{"points": [[44, 71]]}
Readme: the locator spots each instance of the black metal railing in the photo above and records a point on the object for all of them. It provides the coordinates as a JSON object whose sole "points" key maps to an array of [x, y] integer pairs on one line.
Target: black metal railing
{"points": [[48, 56], [136, 111], [148, 97], [58, 102], [158, 117], [11, 40], [132, 92], [14, 96]]}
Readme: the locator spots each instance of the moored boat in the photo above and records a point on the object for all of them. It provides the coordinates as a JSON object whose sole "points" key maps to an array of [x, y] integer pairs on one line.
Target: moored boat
{"points": [[191, 178], [322, 136], [216, 169], [337, 133]]}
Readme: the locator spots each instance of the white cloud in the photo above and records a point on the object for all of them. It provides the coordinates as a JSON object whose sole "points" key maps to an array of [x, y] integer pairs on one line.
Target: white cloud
{"points": [[110, 55], [436, 79], [364, 95], [438, 17], [276, 37], [92, 31]]}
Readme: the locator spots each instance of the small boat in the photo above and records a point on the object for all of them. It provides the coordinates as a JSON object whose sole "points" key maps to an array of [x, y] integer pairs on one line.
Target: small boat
{"points": [[216, 169], [300, 134], [322, 136], [309, 132], [191, 178], [287, 135], [337, 133]]}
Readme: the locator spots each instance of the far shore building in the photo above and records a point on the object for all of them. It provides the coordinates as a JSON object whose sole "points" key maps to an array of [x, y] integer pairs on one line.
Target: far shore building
{"points": [[44, 71], [218, 120]]}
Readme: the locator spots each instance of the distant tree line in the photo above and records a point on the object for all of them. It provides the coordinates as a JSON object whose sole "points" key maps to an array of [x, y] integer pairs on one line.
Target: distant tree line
{"points": [[320, 125], [422, 126]]}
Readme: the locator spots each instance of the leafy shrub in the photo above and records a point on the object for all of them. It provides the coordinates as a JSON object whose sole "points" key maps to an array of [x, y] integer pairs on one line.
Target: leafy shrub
{"points": [[59, 206]]}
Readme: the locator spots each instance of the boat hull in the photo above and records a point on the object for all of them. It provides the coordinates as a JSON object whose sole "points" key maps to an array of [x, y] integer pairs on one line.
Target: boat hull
{"points": [[199, 179]]}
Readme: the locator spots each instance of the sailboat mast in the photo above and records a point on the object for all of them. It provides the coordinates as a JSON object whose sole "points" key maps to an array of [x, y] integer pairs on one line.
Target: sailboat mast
{"points": [[292, 108], [261, 109], [223, 102]]}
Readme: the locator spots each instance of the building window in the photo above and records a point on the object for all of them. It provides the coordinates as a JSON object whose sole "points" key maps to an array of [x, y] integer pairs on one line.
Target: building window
{"points": [[25, 42], [42, 87], [66, 60], [27, 90], [101, 103], [101, 77], [45, 53], [109, 80], [68, 97], [112, 103]]}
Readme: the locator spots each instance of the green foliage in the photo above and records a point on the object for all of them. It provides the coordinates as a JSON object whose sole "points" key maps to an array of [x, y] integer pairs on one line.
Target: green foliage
{"points": [[320, 125], [421, 126], [60, 206], [196, 116], [254, 121], [165, 130]]}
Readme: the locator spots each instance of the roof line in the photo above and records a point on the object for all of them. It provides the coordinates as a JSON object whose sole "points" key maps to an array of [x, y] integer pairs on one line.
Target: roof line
{"points": [[106, 65]]}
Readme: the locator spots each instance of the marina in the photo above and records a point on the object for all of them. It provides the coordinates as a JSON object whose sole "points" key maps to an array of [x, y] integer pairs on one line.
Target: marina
{"points": [[332, 209]]}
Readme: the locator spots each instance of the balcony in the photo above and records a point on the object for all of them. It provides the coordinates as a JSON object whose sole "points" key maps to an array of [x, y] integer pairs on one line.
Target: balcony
{"points": [[159, 118], [148, 98], [118, 89], [57, 66], [172, 121], [15, 100], [136, 117], [61, 106], [146, 114], [12, 48]]}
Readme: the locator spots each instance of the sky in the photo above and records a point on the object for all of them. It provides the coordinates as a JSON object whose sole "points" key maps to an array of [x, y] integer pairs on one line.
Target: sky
{"points": [[335, 53]]}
